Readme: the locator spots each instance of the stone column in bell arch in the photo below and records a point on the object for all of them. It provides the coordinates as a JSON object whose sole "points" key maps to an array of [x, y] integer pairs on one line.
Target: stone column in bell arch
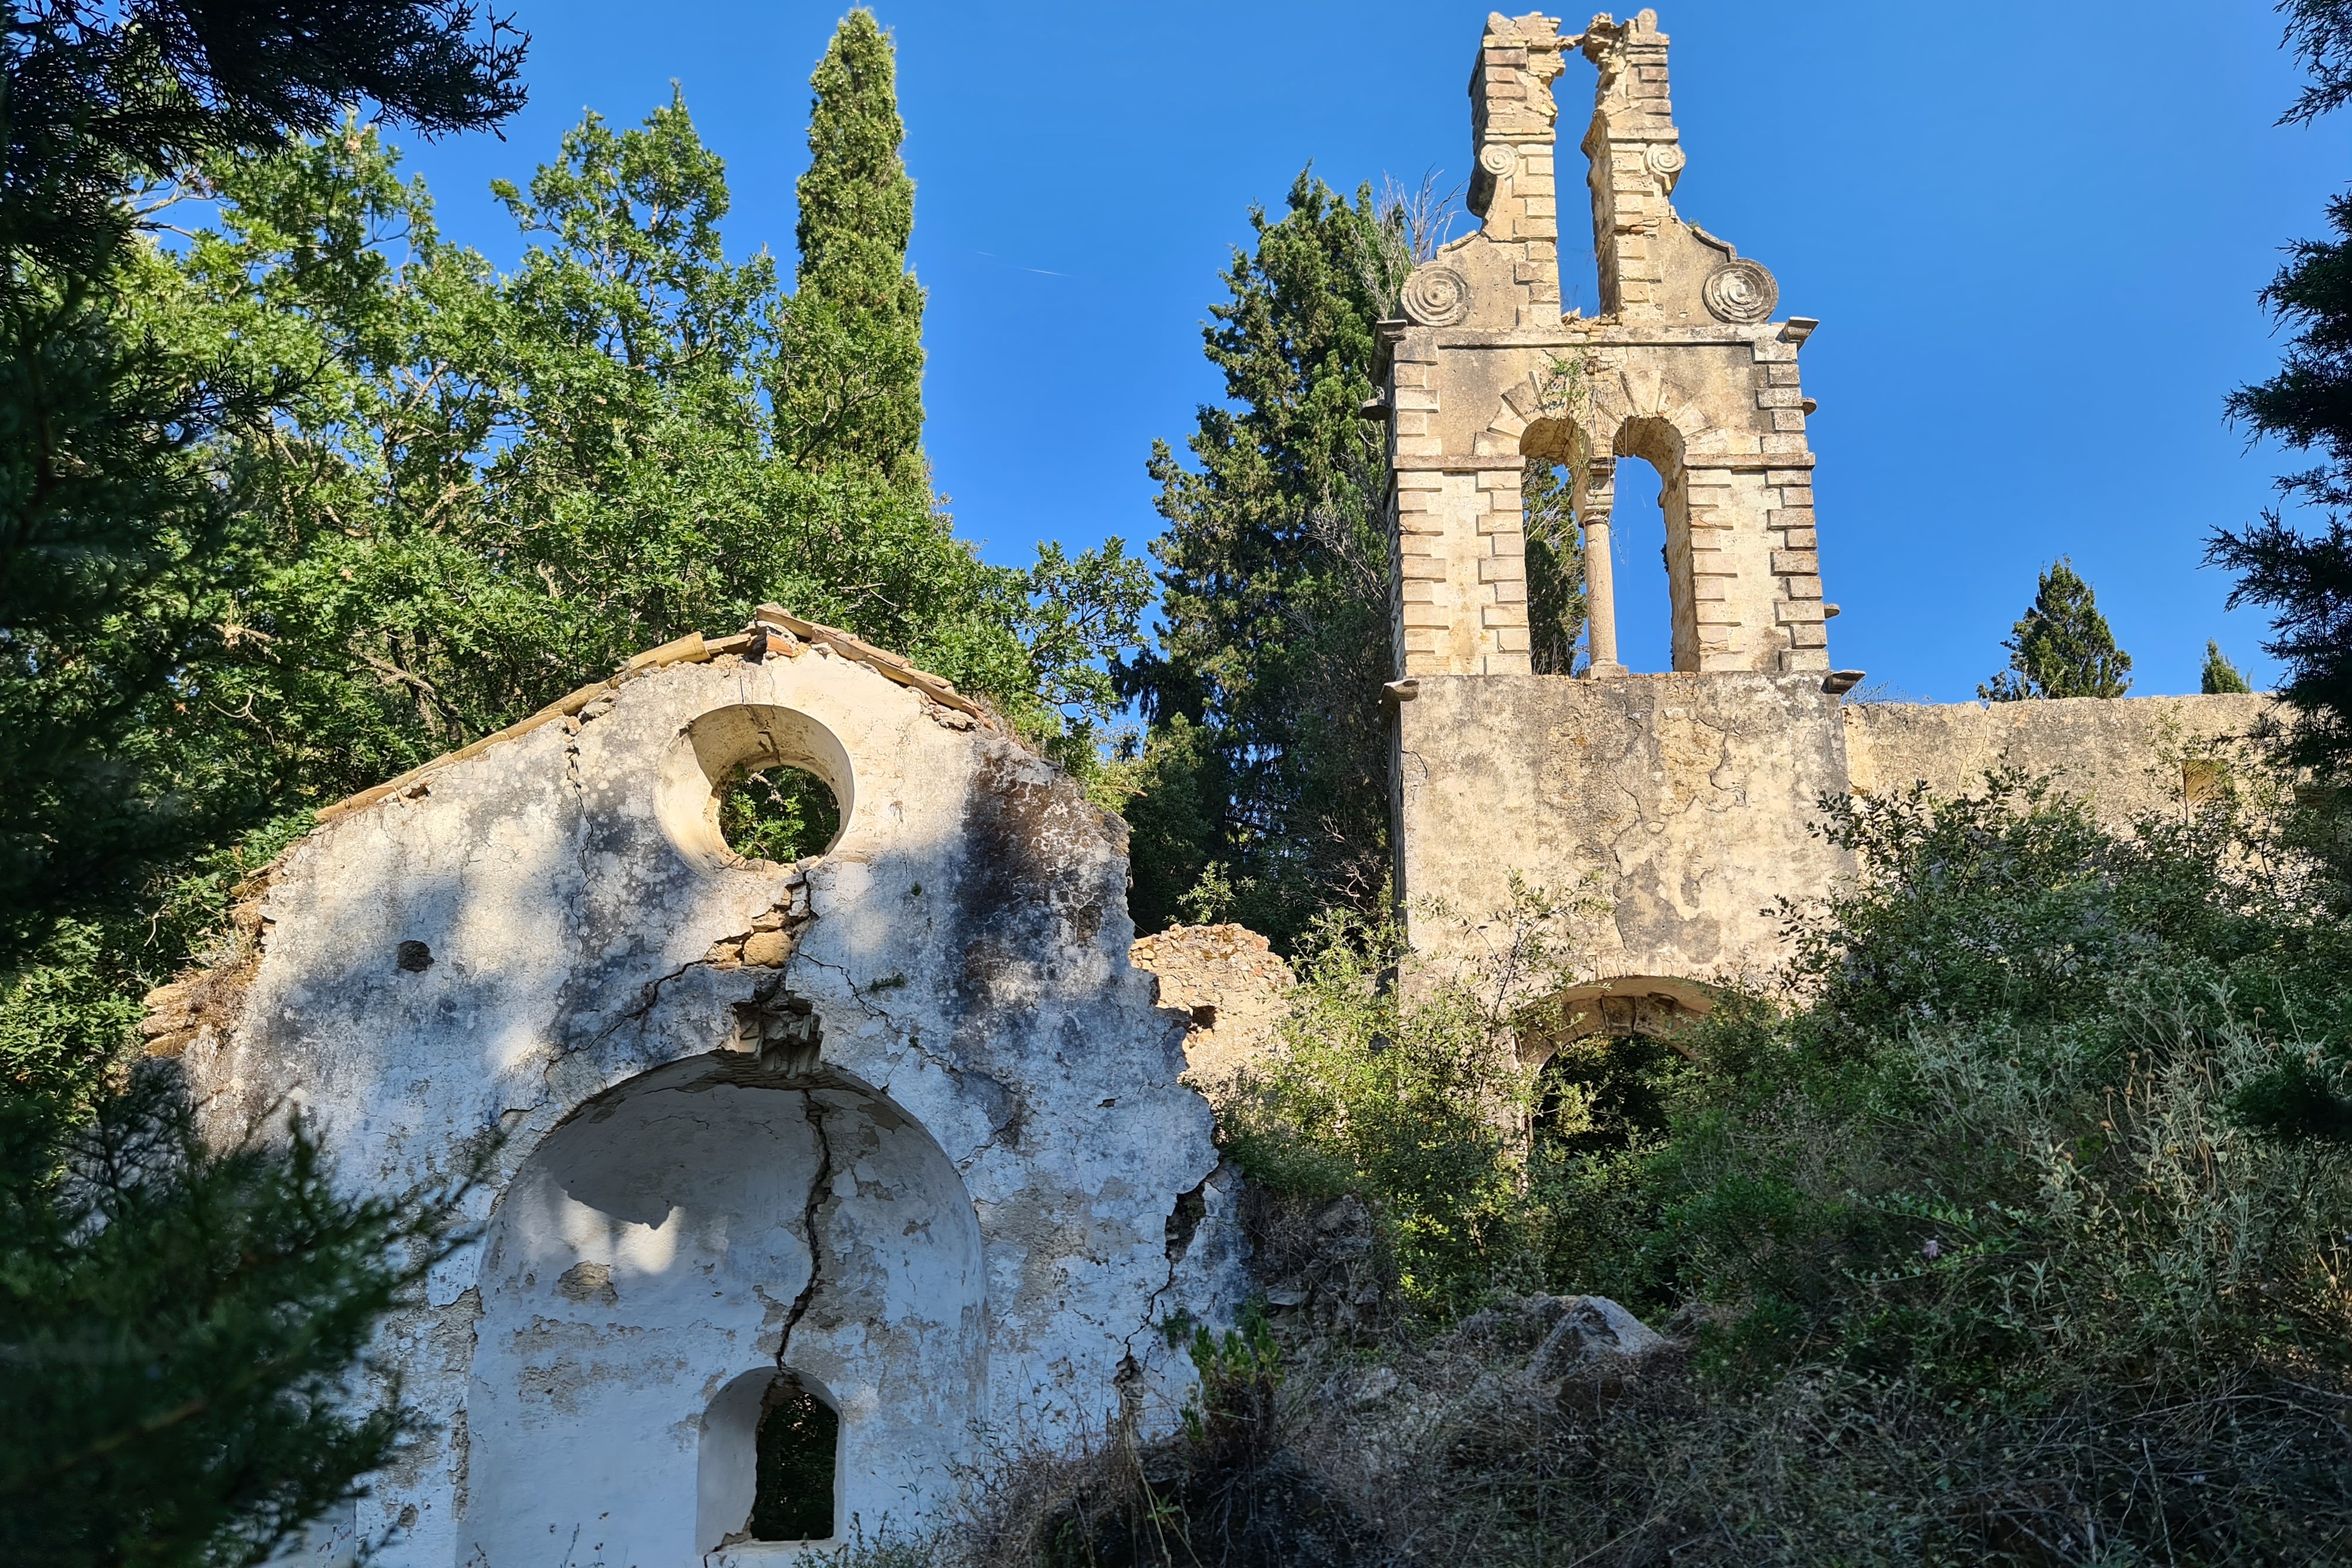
{"points": [[1594, 496]]}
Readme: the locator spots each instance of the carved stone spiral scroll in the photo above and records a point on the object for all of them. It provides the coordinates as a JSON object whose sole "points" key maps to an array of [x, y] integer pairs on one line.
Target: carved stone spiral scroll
{"points": [[1437, 296], [1498, 158], [1665, 160], [1740, 292]]}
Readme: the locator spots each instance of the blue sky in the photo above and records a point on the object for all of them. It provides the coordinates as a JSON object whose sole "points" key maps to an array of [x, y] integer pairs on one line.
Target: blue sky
{"points": [[2034, 240]]}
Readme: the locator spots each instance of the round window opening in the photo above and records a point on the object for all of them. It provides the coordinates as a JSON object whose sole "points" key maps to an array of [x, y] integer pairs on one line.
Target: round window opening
{"points": [[778, 812]]}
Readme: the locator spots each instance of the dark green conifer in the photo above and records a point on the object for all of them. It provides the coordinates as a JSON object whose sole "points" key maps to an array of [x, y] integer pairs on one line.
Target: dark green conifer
{"points": [[851, 389], [1555, 571], [1265, 774], [2063, 647], [2306, 579], [2219, 675]]}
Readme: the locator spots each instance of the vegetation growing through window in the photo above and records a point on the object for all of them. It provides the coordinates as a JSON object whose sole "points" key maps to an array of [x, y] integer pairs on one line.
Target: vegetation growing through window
{"points": [[1555, 559], [796, 1450], [781, 814]]}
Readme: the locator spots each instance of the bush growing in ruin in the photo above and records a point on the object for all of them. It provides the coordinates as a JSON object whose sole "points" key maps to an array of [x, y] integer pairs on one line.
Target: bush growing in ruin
{"points": [[1977, 1237]]}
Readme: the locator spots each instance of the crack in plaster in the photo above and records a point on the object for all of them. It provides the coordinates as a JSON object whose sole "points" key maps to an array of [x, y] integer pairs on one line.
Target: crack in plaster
{"points": [[820, 1189]]}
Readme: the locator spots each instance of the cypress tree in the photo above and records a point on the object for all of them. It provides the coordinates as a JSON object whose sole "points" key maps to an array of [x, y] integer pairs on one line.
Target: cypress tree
{"points": [[2220, 676], [2063, 647], [850, 387]]}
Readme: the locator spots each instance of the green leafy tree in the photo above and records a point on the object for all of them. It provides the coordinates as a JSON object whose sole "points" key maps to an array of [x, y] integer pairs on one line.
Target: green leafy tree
{"points": [[180, 1322], [108, 525], [2061, 647], [2219, 675], [506, 486], [1263, 777]]}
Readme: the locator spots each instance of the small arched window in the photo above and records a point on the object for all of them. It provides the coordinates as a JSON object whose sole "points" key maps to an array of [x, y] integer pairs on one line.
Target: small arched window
{"points": [[795, 1458], [771, 1463]]}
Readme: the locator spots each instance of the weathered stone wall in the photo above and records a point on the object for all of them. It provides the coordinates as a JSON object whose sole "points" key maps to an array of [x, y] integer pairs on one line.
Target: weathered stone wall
{"points": [[1682, 804], [1679, 805], [902, 1118], [1234, 987], [1679, 802], [2128, 757]]}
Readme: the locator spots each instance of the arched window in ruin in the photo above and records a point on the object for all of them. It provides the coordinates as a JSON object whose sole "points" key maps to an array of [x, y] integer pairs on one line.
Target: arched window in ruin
{"points": [[1597, 1050], [1588, 556], [687, 1270], [770, 1462], [1555, 567], [1553, 548], [1623, 605]]}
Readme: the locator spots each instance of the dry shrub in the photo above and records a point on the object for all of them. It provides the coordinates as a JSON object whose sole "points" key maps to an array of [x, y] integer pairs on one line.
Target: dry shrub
{"points": [[1224, 1493]]}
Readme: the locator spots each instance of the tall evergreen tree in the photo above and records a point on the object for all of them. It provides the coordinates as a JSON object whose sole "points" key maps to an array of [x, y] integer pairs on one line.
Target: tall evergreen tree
{"points": [[1555, 571], [2061, 647], [2305, 578], [1264, 778], [851, 393], [2220, 676]]}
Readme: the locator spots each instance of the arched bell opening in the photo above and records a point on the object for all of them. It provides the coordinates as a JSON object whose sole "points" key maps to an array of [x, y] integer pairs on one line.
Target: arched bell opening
{"points": [[692, 1253], [1600, 1053], [1619, 533], [1557, 596]]}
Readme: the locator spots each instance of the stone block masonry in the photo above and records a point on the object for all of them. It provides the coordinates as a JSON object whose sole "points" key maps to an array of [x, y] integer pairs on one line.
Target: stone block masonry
{"points": [[1683, 367], [1687, 802], [1684, 800]]}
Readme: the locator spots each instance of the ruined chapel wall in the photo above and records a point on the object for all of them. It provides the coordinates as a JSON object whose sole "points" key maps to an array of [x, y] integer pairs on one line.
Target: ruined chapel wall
{"points": [[1682, 805], [1678, 802], [2128, 757], [962, 951]]}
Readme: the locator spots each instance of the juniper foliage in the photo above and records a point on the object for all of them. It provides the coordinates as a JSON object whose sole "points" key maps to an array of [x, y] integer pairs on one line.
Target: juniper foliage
{"points": [[2220, 676], [2304, 575]]}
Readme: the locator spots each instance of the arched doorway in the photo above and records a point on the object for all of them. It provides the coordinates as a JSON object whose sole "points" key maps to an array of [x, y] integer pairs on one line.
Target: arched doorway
{"points": [[1597, 1050], [686, 1249]]}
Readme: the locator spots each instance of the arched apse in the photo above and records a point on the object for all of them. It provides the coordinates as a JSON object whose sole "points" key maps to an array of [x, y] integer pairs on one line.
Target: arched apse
{"points": [[692, 1232]]}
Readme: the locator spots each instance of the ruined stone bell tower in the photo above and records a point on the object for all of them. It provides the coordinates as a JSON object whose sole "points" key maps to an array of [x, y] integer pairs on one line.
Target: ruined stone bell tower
{"points": [[1683, 367], [1681, 800]]}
